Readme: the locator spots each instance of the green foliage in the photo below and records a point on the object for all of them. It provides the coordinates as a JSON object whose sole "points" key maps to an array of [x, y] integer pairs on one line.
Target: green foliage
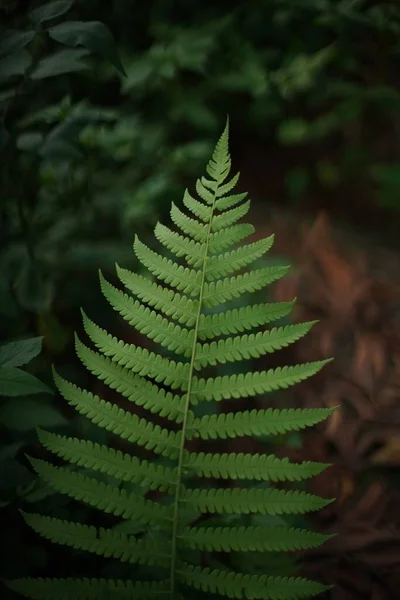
{"points": [[207, 269], [47, 168], [21, 415]]}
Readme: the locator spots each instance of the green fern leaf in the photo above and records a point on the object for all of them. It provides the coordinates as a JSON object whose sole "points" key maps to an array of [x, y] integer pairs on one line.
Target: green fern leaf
{"points": [[244, 501], [255, 422], [196, 207], [236, 585], [205, 269], [258, 539], [133, 387], [237, 259], [89, 589], [249, 346], [173, 304], [150, 323], [242, 319], [219, 292], [229, 236], [122, 467], [259, 467], [250, 384], [100, 495], [103, 542]]}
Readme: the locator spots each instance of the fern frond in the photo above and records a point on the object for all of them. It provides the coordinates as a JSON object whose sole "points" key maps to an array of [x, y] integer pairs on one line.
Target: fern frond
{"points": [[195, 230], [249, 346], [255, 422], [183, 279], [101, 495], [172, 304], [88, 589], [138, 359], [230, 217], [241, 319], [103, 542], [246, 539], [197, 208], [180, 245], [221, 291], [243, 501], [229, 262], [119, 465], [148, 322], [229, 201], [161, 495], [120, 422], [133, 387], [237, 585], [244, 385], [229, 236], [258, 467]]}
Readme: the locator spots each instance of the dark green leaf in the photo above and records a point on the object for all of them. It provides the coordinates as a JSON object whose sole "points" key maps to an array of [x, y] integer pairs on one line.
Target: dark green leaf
{"points": [[39, 492], [4, 137], [56, 149], [33, 291], [29, 141], [13, 474], [293, 132], [296, 181], [15, 382], [25, 415], [15, 354], [50, 10], [7, 95], [65, 61], [10, 451], [93, 35], [12, 40], [387, 175], [14, 65]]}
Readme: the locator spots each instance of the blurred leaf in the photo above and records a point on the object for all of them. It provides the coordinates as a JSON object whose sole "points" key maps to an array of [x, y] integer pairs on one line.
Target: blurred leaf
{"points": [[387, 175], [14, 474], [293, 132], [33, 291], [12, 40], [50, 10], [14, 65], [10, 451], [56, 149], [7, 95], [93, 35], [138, 74], [56, 336], [15, 382], [388, 178], [29, 141], [38, 492], [25, 415], [327, 173], [21, 352], [296, 181], [4, 137], [64, 61]]}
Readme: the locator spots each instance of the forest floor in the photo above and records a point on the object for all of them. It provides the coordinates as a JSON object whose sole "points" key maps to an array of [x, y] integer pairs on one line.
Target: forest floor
{"points": [[353, 287]]}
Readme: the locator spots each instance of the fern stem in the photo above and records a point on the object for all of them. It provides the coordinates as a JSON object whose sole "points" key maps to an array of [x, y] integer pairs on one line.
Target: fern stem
{"points": [[187, 405]]}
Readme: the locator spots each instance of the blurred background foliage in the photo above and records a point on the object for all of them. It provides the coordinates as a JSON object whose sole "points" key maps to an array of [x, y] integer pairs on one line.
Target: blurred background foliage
{"points": [[109, 109]]}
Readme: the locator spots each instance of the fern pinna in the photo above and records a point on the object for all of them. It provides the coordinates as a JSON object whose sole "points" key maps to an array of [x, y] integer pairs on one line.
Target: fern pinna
{"points": [[175, 313]]}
